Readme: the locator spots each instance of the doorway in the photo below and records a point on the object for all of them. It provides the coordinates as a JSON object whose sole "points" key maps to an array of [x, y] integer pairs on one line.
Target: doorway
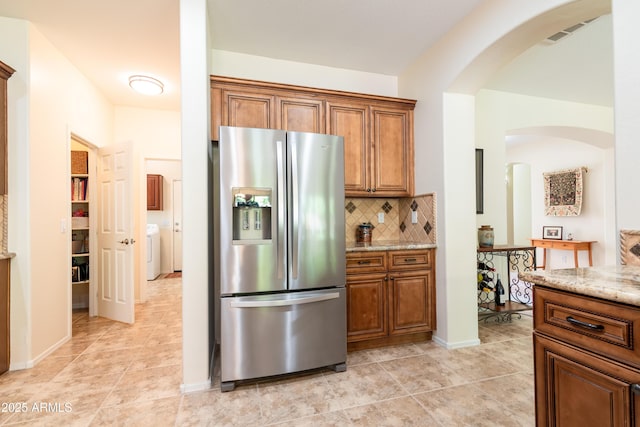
{"points": [[82, 220], [177, 225], [171, 213]]}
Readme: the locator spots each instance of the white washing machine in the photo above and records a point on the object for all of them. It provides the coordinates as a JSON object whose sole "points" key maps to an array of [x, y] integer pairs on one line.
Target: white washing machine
{"points": [[153, 251]]}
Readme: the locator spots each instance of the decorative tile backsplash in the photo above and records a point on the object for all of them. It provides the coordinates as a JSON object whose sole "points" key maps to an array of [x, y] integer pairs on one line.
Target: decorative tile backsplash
{"points": [[397, 224]]}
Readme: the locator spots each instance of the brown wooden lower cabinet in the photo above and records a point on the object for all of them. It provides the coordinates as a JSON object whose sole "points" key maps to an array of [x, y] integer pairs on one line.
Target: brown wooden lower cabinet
{"points": [[4, 314], [581, 377], [578, 388], [390, 297]]}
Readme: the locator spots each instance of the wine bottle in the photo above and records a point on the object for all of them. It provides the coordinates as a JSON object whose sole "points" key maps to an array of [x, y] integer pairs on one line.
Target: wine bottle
{"points": [[485, 266], [499, 291]]}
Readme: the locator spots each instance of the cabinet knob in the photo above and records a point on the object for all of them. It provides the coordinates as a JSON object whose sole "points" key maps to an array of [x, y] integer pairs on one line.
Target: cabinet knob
{"points": [[635, 388], [373, 190], [368, 190]]}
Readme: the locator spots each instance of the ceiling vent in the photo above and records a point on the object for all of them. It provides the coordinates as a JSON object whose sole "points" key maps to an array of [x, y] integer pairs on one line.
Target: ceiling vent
{"points": [[555, 38]]}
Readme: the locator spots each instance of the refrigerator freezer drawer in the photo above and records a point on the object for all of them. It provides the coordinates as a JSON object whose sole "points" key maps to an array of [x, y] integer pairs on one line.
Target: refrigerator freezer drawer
{"points": [[276, 334]]}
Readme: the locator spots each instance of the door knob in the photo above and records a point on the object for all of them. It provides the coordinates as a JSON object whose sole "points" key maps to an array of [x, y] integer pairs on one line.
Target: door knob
{"points": [[124, 242]]}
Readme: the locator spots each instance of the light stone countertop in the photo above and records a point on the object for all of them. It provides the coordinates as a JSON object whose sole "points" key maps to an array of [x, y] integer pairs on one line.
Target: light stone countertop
{"points": [[617, 283], [7, 255], [388, 245]]}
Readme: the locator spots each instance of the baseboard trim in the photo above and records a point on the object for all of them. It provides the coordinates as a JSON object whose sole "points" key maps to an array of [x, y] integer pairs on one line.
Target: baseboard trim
{"points": [[17, 366], [193, 387], [455, 345]]}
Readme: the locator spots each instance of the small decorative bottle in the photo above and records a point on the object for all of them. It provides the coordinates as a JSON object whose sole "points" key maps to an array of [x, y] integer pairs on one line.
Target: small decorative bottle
{"points": [[499, 292]]}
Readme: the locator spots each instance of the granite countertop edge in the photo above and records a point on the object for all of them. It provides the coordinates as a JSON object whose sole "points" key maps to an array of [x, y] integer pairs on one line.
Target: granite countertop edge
{"points": [[388, 245], [618, 283], [7, 255]]}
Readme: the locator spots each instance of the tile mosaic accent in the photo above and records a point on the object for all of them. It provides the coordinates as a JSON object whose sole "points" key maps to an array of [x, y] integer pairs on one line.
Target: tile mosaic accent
{"points": [[350, 207], [397, 224], [424, 230], [427, 228]]}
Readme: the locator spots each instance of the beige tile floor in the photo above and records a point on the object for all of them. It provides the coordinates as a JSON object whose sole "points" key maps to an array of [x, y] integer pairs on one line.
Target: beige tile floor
{"points": [[116, 374]]}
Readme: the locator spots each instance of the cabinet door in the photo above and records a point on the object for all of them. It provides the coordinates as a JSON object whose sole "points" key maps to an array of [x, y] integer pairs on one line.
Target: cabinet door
{"points": [[411, 301], [246, 109], [154, 192], [5, 267], [578, 388], [392, 152], [301, 115], [366, 306], [351, 122]]}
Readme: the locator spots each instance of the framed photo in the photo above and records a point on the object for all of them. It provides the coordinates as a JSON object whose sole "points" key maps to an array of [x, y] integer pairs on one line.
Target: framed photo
{"points": [[630, 247], [552, 232]]}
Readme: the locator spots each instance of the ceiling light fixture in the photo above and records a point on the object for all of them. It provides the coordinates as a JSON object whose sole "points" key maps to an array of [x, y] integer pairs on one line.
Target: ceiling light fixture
{"points": [[146, 85]]}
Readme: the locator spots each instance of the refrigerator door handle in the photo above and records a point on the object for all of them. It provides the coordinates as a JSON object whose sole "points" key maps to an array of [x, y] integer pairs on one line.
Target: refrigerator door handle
{"points": [[284, 302], [281, 209], [294, 211]]}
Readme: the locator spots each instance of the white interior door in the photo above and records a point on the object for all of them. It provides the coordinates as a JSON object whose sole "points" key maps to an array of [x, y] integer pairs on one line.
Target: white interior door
{"points": [[115, 234], [177, 225]]}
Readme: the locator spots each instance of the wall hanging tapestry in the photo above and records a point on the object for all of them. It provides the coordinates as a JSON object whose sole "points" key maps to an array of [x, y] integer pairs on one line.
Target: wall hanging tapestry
{"points": [[563, 192]]}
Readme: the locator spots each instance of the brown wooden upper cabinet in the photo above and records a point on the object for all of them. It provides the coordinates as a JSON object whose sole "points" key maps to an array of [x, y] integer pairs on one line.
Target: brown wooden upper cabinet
{"points": [[377, 130], [154, 192]]}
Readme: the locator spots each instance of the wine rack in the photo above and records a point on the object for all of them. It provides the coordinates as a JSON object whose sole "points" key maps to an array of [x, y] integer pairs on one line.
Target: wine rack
{"points": [[503, 259]]}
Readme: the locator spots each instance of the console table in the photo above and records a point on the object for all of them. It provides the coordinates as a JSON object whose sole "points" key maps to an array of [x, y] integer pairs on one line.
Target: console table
{"points": [[567, 245]]}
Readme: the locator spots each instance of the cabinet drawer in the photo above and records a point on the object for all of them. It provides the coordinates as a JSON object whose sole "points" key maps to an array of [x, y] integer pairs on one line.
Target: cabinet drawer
{"points": [[542, 243], [596, 325], [566, 246], [366, 262], [410, 260]]}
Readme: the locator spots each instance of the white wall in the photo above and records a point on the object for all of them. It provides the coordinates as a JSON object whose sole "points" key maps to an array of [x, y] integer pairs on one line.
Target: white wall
{"points": [[519, 202], [231, 64], [171, 170], [15, 53], [156, 132], [627, 105], [49, 99], [196, 137]]}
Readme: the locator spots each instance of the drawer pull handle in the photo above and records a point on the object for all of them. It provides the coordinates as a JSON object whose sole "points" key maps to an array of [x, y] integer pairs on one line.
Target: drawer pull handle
{"points": [[364, 262], [584, 324], [635, 388], [410, 260]]}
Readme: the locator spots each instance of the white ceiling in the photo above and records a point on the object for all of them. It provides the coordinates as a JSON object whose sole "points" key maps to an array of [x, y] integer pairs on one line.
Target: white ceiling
{"points": [[108, 41]]}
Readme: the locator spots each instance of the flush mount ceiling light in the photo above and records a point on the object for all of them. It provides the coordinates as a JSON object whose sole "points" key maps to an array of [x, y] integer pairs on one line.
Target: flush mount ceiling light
{"points": [[146, 85]]}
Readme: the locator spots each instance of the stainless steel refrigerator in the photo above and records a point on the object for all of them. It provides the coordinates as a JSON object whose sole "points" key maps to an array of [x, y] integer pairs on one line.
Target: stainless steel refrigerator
{"points": [[279, 248]]}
